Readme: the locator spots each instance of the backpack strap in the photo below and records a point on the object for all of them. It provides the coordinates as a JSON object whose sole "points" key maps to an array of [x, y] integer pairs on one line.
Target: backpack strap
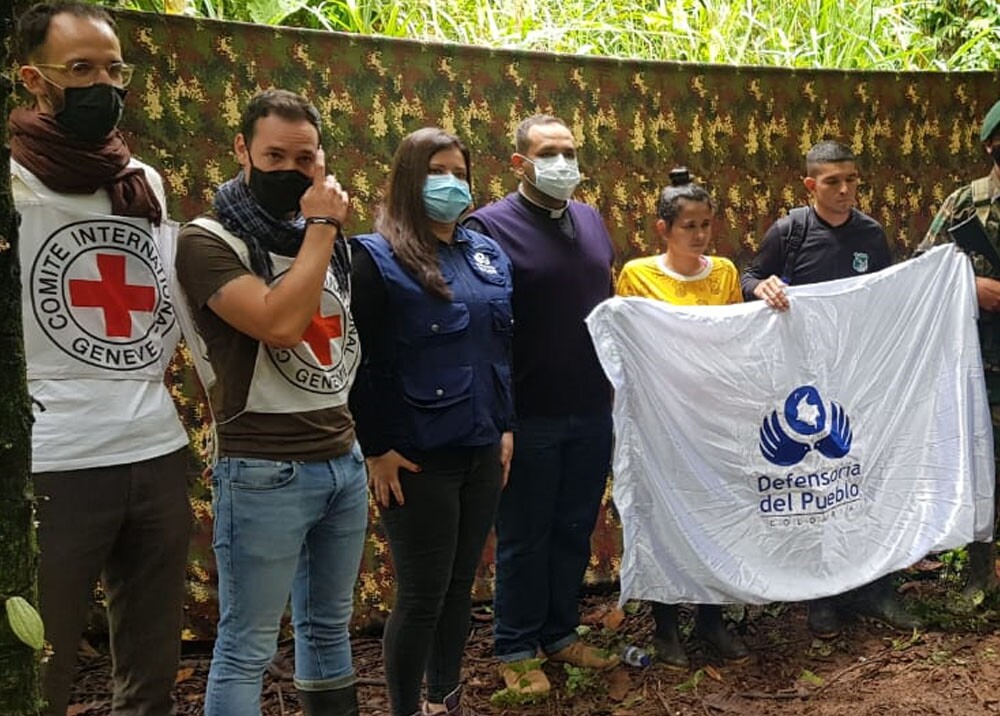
{"points": [[981, 198], [798, 225]]}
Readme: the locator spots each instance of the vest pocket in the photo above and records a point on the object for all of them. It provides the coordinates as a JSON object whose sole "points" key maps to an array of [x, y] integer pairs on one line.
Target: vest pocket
{"points": [[503, 316], [424, 326], [503, 412], [441, 406]]}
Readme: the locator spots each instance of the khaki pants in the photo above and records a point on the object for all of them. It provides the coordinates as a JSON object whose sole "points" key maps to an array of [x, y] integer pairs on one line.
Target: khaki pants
{"points": [[130, 525]]}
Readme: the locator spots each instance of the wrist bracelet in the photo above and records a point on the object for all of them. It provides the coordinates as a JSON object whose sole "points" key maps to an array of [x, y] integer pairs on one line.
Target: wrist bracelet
{"points": [[324, 220]]}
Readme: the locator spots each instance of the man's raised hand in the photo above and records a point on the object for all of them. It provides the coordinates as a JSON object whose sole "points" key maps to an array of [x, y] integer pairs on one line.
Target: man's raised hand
{"points": [[325, 198]]}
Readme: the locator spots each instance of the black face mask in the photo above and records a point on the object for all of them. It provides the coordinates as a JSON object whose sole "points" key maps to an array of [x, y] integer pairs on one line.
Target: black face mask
{"points": [[279, 191], [91, 113]]}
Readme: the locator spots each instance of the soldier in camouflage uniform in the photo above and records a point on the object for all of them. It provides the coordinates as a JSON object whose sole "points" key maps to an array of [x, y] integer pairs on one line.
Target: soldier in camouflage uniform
{"points": [[982, 199]]}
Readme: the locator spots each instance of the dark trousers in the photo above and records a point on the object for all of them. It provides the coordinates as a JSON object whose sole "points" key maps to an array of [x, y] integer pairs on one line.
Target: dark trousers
{"points": [[436, 539], [130, 525], [546, 517]]}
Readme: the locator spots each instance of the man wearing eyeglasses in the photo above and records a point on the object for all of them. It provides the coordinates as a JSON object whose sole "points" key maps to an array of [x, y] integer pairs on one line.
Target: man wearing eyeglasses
{"points": [[108, 451]]}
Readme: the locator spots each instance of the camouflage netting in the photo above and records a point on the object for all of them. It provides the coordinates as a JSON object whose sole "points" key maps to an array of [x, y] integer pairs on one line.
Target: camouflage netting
{"points": [[741, 131]]}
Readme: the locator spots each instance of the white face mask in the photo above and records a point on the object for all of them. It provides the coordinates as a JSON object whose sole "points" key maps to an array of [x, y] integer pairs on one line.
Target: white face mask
{"points": [[556, 176]]}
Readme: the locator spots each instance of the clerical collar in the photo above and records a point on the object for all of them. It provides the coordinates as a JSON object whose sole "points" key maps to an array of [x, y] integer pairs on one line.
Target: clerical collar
{"points": [[547, 211]]}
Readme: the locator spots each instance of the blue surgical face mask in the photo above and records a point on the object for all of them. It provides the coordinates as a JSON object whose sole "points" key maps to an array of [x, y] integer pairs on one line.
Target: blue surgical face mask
{"points": [[446, 197]]}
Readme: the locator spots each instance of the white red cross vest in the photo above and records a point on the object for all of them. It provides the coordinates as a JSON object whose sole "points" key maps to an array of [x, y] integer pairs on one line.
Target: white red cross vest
{"points": [[317, 373], [95, 287]]}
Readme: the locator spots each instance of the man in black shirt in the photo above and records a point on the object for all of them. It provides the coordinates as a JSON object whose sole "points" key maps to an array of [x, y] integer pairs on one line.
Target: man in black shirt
{"points": [[828, 240]]}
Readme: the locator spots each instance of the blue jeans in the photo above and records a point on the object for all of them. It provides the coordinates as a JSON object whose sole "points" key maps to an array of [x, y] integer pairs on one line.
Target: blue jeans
{"points": [[546, 516], [283, 526]]}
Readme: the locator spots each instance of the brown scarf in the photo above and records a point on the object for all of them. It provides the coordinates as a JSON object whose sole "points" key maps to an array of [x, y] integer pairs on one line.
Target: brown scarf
{"points": [[70, 165]]}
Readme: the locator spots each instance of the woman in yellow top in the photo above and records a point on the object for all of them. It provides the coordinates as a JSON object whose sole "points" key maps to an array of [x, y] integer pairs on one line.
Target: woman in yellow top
{"points": [[684, 275]]}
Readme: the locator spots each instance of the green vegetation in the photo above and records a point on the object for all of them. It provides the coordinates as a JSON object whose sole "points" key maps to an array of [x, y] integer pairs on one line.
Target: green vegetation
{"points": [[512, 698], [507, 698], [811, 678], [955, 562], [950, 610], [966, 31], [842, 34], [692, 683], [580, 679]]}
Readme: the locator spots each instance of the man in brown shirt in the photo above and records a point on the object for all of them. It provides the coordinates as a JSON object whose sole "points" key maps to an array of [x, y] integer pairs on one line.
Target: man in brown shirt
{"points": [[266, 279]]}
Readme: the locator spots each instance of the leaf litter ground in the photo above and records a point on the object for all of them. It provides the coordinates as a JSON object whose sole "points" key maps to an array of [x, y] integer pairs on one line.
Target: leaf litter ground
{"points": [[951, 668]]}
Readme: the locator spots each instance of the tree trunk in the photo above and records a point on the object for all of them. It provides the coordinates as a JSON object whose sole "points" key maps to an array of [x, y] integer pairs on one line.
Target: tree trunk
{"points": [[19, 694]]}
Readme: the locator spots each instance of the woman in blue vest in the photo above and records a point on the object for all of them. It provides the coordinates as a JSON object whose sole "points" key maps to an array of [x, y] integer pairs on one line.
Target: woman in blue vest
{"points": [[432, 402]]}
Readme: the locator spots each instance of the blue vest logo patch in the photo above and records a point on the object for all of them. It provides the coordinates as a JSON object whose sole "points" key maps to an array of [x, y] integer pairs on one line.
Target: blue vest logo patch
{"points": [[483, 264], [860, 262]]}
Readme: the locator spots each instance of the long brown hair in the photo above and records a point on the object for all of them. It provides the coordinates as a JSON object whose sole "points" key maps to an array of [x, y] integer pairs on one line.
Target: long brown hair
{"points": [[402, 219]]}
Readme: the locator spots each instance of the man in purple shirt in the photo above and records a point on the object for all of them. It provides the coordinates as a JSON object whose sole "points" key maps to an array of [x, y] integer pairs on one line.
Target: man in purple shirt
{"points": [[562, 257]]}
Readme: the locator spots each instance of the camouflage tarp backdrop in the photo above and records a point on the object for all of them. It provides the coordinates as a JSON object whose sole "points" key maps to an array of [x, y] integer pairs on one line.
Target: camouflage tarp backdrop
{"points": [[742, 132]]}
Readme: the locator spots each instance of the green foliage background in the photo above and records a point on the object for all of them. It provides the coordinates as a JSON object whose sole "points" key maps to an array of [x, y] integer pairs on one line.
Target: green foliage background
{"points": [[841, 34]]}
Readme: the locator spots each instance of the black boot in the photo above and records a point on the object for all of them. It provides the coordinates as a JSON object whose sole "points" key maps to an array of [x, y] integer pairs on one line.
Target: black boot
{"points": [[710, 627], [667, 639], [334, 702], [982, 570], [879, 601], [823, 620]]}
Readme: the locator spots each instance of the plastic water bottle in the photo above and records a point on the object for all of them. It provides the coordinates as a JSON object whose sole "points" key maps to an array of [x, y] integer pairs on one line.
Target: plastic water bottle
{"points": [[634, 656]]}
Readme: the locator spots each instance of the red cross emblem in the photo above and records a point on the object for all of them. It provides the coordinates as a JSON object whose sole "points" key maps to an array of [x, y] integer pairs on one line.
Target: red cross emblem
{"points": [[319, 333], [116, 298]]}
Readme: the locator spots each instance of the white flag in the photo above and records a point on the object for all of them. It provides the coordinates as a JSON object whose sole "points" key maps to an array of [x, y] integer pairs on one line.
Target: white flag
{"points": [[770, 456]]}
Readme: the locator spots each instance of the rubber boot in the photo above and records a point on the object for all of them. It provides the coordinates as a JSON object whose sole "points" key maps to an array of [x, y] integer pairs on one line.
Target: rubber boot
{"points": [[667, 638], [709, 626], [334, 702], [823, 620], [982, 570], [879, 601]]}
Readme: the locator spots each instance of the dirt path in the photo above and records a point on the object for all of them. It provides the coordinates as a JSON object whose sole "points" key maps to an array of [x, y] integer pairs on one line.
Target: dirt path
{"points": [[953, 668]]}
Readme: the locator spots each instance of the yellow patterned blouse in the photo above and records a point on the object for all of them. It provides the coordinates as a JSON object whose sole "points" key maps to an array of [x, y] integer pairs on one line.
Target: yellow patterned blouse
{"points": [[718, 282]]}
